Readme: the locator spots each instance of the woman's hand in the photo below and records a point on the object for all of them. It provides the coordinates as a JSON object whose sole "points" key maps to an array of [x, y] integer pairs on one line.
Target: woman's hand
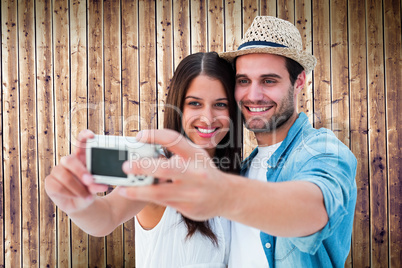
{"points": [[70, 185]]}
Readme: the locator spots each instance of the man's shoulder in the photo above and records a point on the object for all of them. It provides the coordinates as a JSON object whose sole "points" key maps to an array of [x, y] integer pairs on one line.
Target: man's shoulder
{"points": [[322, 140], [319, 147]]}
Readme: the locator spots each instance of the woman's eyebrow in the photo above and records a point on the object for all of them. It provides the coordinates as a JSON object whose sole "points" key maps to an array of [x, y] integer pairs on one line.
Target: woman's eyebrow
{"points": [[193, 97], [197, 98], [269, 75]]}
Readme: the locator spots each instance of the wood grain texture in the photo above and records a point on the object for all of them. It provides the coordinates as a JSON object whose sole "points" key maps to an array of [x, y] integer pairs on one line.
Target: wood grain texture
{"points": [[393, 86], [29, 169], [340, 74], [268, 8], [96, 105], [106, 65], [377, 135], [61, 78], [11, 147], [44, 82], [164, 41], [78, 110], [199, 25], [215, 26], [113, 106], [233, 25], [322, 71], [303, 22], [286, 10], [1, 163], [130, 100], [250, 11], [181, 30], [359, 131], [340, 71], [147, 43]]}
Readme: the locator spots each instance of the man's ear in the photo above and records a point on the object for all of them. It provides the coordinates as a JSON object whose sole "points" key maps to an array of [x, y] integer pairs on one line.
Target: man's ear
{"points": [[300, 82]]}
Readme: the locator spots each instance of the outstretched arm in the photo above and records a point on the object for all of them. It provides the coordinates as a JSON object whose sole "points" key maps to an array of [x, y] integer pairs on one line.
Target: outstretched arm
{"points": [[71, 187], [200, 191]]}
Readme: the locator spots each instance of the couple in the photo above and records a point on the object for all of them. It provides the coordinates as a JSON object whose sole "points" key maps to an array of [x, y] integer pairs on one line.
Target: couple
{"points": [[295, 210]]}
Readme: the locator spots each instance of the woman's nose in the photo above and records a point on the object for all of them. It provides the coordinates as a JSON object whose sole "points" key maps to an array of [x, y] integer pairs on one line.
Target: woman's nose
{"points": [[207, 116]]}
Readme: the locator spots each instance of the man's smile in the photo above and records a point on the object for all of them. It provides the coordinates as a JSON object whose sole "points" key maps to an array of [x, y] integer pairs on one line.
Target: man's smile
{"points": [[258, 109]]}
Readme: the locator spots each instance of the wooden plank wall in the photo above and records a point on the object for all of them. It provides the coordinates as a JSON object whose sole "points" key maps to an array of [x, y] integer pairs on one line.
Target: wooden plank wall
{"points": [[105, 65]]}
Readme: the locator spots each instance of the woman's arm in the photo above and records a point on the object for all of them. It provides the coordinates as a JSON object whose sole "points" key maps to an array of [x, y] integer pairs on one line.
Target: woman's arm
{"points": [[71, 187]]}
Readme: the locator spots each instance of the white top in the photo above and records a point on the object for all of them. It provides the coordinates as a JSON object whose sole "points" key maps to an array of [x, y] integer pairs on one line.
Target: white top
{"points": [[246, 248], [166, 245]]}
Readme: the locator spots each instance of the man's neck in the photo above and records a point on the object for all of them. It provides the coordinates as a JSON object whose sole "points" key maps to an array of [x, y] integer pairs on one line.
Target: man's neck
{"points": [[277, 135]]}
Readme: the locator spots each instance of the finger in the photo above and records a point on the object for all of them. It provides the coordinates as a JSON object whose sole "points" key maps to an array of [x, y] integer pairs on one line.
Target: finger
{"points": [[160, 180], [156, 167], [172, 140], [68, 183], [97, 188], [77, 168], [80, 145], [161, 194], [55, 189]]}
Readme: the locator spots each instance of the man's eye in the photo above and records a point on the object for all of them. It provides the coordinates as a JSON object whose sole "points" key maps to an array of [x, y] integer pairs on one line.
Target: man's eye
{"points": [[268, 81], [242, 81]]}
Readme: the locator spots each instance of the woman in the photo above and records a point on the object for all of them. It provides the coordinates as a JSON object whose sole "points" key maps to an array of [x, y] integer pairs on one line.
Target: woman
{"points": [[202, 89]]}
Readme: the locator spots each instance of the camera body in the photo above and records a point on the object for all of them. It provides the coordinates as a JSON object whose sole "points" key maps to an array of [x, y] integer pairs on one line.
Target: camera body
{"points": [[106, 154]]}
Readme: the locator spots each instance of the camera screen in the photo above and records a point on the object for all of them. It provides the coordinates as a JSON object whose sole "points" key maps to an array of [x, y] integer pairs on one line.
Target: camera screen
{"points": [[108, 162]]}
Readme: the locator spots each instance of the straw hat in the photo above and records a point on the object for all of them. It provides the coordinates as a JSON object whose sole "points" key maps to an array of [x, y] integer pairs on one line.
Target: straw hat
{"points": [[274, 36]]}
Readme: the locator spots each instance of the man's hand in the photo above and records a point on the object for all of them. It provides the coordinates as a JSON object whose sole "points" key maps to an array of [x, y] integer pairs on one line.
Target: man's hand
{"points": [[197, 188], [200, 191]]}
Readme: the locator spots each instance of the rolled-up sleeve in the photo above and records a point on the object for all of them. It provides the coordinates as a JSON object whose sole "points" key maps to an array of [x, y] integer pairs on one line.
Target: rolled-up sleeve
{"points": [[332, 167]]}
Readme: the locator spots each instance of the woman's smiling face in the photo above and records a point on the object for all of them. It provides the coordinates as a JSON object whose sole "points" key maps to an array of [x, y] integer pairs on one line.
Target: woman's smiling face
{"points": [[205, 112]]}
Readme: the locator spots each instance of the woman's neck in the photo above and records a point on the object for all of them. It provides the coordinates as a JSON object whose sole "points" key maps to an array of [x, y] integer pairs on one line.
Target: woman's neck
{"points": [[211, 152]]}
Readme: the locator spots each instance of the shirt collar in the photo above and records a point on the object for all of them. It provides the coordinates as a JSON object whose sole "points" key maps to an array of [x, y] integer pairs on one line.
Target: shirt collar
{"points": [[275, 159]]}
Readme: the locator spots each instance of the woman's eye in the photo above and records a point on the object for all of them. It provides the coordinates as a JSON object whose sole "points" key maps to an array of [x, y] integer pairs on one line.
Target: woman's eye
{"points": [[194, 103], [221, 105]]}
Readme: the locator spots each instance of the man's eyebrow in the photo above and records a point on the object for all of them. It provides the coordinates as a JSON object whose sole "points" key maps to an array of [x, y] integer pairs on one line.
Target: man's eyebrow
{"points": [[240, 75], [261, 76], [271, 76]]}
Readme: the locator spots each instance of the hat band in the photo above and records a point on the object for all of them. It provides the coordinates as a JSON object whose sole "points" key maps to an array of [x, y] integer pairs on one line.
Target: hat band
{"points": [[257, 44]]}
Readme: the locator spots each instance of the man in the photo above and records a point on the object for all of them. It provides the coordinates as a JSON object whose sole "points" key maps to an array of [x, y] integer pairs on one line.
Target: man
{"points": [[297, 207]]}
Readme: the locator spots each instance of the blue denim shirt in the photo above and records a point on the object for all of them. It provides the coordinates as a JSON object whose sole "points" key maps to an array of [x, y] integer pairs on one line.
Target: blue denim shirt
{"points": [[314, 155]]}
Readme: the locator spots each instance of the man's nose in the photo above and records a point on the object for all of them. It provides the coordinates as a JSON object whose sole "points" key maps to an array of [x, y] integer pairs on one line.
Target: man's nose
{"points": [[255, 92]]}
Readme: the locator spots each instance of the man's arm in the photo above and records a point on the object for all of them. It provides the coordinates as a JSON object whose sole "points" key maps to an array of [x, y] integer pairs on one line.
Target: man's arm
{"points": [[201, 191], [287, 209]]}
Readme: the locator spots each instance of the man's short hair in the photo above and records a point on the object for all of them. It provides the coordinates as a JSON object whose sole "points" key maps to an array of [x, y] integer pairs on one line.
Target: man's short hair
{"points": [[294, 69]]}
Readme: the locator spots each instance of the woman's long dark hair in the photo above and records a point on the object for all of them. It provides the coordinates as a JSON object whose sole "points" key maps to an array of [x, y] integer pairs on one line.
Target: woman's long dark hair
{"points": [[228, 151]]}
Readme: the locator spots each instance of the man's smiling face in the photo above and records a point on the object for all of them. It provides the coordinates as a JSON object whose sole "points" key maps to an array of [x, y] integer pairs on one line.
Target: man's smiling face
{"points": [[264, 92]]}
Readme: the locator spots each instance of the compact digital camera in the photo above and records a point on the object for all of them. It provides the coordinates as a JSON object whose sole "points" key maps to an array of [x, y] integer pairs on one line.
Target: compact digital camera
{"points": [[106, 154]]}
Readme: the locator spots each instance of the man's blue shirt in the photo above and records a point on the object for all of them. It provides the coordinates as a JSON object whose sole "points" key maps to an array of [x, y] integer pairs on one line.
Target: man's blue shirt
{"points": [[317, 156]]}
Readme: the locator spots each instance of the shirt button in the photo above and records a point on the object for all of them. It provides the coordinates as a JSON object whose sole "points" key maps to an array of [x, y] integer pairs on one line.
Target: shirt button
{"points": [[268, 245]]}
